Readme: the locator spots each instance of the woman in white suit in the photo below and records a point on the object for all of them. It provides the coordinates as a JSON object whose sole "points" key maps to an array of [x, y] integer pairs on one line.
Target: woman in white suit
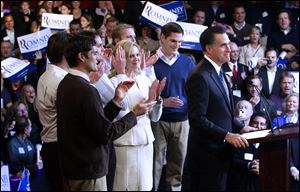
{"points": [[134, 150]]}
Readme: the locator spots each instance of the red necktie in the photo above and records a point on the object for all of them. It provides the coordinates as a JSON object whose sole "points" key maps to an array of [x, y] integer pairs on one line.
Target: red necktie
{"points": [[234, 71]]}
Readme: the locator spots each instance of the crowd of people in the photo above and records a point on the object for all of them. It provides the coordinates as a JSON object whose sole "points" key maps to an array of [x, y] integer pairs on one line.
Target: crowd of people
{"points": [[118, 105]]}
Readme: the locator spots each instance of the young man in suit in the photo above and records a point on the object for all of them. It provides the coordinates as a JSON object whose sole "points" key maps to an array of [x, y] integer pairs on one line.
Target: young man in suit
{"points": [[213, 130]]}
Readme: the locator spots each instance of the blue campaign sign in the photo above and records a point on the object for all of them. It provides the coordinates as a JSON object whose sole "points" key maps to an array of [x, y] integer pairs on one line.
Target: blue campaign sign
{"points": [[178, 8], [16, 69]]}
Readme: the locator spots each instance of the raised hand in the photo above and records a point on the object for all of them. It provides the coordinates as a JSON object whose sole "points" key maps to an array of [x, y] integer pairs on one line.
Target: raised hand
{"points": [[153, 90], [121, 90], [150, 60], [119, 61]]}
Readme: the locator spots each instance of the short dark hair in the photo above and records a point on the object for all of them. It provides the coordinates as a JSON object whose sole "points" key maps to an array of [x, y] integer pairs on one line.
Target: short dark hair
{"points": [[75, 22], [271, 49], [251, 77], [21, 124], [259, 114], [208, 35], [171, 27], [284, 11], [56, 44], [77, 44]]}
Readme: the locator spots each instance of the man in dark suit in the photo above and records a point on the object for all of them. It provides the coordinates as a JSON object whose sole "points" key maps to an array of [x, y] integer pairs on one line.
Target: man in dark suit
{"points": [[236, 71], [213, 130], [270, 73], [9, 33]]}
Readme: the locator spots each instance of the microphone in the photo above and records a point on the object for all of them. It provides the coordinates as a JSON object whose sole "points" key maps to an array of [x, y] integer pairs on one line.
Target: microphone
{"points": [[264, 105]]}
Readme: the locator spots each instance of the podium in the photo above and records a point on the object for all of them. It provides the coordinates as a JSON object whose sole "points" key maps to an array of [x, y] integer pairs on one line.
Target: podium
{"points": [[274, 158]]}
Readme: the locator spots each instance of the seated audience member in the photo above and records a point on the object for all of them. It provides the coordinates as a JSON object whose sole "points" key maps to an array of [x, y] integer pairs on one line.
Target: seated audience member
{"points": [[244, 173], [14, 88], [256, 98], [287, 82], [284, 37], [290, 107], [244, 111], [240, 27], [86, 22], [254, 50], [65, 9], [74, 26], [199, 17], [9, 32], [28, 97], [36, 25], [291, 115], [76, 10], [20, 109], [22, 157], [6, 50]]}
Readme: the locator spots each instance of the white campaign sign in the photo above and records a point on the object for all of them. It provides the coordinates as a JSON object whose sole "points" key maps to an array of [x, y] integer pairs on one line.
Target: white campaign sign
{"points": [[56, 21], [157, 16], [34, 41], [192, 33]]}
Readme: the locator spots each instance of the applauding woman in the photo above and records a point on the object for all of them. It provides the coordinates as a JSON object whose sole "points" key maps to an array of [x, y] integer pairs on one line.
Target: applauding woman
{"points": [[134, 150]]}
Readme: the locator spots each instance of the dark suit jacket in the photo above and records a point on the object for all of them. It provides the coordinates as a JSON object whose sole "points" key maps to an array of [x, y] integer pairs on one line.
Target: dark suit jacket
{"points": [[240, 177], [239, 82], [210, 117], [17, 34], [264, 75]]}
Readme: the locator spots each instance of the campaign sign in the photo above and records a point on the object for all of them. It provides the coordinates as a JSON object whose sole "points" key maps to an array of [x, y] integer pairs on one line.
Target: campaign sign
{"points": [[16, 69], [156, 16], [56, 21], [178, 8], [192, 33], [5, 183], [33, 42]]}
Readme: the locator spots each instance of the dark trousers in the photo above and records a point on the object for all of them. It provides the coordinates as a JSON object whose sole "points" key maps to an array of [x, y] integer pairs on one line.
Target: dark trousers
{"points": [[51, 164], [111, 167], [211, 181]]}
